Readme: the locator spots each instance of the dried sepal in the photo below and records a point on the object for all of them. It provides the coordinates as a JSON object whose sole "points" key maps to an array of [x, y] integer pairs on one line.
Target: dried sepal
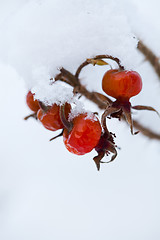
{"points": [[141, 107], [110, 110], [105, 146], [112, 149], [128, 117], [103, 98], [97, 159]]}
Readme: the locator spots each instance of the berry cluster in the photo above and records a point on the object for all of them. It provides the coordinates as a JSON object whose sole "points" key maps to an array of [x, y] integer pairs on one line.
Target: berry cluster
{"points": [[80, 136], [84, 132]]}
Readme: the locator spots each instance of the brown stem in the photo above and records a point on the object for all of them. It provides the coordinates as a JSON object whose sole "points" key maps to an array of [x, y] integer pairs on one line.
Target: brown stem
{"points": [[71, 80], [59, 135], [68, 125], [150, 56], [85, 63]]}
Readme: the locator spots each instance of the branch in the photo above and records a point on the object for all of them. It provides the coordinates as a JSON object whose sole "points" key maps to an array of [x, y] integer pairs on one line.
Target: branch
{"points": [[32, 115], [99, 99], [145, 131], [85, 63], [150, 56], [74, 82]]}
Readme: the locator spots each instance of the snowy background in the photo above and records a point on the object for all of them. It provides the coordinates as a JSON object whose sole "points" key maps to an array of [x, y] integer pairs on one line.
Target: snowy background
{"points": [[45, 191]]}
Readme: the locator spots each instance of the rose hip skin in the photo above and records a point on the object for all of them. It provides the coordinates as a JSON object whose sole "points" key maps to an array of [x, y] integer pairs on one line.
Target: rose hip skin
{"points": [[121, 84], [51, 118], [84, 135], [32, 104]]}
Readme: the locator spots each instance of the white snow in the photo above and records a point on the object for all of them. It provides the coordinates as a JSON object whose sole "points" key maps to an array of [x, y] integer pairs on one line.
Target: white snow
{"points": [[78, 108], [45, 35], [56, 93]]}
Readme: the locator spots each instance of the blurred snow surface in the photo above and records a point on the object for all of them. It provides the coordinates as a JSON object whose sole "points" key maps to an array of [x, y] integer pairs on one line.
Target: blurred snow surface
{"points": [[45, 191]]}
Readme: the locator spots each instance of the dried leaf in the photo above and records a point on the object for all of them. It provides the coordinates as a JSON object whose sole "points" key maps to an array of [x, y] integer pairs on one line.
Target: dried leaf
{"points": [[97, 62]]}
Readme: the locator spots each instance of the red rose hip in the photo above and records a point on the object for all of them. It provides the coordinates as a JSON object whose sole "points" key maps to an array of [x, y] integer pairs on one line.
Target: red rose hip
{"points": [[51, 118], [31, 102], [121, 84], [84, 135]]}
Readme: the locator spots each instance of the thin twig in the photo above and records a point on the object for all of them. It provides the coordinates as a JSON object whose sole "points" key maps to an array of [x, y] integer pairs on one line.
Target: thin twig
{"points": [[150, 56], [85, 63], [146, 131], [59, 135], [32, 115], [80, 89]]}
